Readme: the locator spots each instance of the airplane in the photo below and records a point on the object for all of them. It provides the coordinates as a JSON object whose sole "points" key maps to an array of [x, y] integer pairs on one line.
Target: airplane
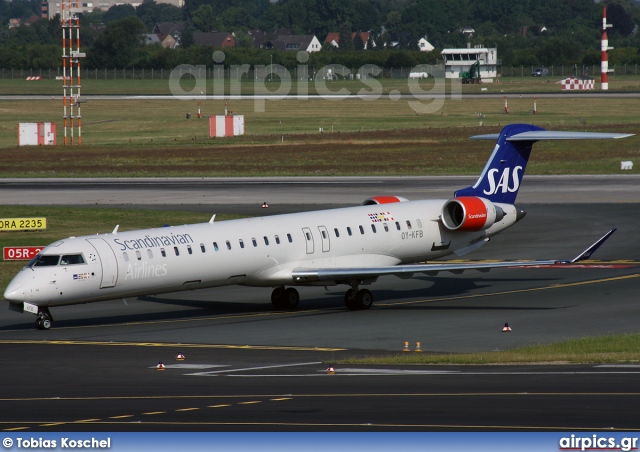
{"points": [[353, 246]]}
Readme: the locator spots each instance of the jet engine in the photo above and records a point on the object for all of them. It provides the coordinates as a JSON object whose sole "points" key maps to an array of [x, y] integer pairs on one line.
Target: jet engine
{"points": [[383, 200], [470, 213]]}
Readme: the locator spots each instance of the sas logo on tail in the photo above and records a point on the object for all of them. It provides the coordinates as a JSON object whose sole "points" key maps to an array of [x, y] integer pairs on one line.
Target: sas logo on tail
{"points": [[503, 183]]}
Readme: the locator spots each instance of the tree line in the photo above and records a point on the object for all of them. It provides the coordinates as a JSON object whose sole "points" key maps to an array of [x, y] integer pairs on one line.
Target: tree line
{"points": [[525, 32]]}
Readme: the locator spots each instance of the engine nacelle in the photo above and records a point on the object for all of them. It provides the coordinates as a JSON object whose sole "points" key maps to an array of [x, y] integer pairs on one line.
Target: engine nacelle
{"points": [[383, 200], [470, 213]]}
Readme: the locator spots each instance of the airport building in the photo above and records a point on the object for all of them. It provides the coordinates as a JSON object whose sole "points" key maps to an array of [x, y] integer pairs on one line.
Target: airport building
{"points": [[457, 61]]}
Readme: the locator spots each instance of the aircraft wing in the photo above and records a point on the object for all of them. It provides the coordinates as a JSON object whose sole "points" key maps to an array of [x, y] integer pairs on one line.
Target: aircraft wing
{"points": [[303, 275]]}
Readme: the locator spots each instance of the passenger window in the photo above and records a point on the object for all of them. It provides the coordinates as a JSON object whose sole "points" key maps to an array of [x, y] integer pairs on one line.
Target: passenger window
{"points": [[397, 226], [150, 254], [163, 252], [241, 244], [386, 228], [361, 229], [408, 224], [175, 250], [189, 250], [138, 255], [348, 230], [266, 240], [202, 247], [253, 240], [337, 233], [71, 259], [373, 228], [228, 245], [289, 238], [277, 240], [215, 246], [125, 255]]}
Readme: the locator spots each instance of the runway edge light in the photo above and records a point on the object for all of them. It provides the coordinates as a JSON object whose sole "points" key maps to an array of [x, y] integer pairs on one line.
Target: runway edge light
{"points": [[506, 328], [406, 347], [418, 348]]}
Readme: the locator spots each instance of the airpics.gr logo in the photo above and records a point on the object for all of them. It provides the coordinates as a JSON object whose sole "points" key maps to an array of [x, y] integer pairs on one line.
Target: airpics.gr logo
{"points": [[502, 185]]}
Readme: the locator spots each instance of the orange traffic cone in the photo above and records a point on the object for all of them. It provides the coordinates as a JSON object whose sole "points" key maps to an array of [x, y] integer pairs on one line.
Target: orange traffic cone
{"points": [[331, 370], [180, 357], [506, 328], [160, 366], [264, 205]]}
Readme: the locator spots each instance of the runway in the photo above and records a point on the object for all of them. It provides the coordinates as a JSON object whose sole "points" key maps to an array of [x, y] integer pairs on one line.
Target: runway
{"points": [[250, 368]]}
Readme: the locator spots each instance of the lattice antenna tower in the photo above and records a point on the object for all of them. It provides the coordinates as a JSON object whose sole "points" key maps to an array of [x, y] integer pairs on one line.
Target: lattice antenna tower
{"points": [[72, 118]]}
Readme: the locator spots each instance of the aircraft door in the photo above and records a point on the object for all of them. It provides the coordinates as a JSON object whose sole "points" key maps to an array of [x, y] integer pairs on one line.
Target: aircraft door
{"points": [[308, 237], [108, 262], [324, 236]]}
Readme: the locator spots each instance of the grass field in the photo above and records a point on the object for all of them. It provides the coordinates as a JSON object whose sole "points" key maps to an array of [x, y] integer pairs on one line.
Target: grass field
{"points": [[383, 137], [602, 350]]}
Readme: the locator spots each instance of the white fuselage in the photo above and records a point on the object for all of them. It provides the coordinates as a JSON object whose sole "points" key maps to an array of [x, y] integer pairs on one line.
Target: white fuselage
{"points": [[259, 251]]}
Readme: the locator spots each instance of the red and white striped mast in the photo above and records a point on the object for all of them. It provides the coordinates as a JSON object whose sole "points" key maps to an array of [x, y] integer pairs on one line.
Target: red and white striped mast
{"points": [[604, 47]]}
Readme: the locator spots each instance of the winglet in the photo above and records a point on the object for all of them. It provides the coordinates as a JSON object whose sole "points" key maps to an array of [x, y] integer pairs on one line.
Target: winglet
{"points": [[586, 254]]}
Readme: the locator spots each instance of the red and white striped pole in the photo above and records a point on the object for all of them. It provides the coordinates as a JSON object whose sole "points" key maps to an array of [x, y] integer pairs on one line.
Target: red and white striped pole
{"points": [[604, 47]]}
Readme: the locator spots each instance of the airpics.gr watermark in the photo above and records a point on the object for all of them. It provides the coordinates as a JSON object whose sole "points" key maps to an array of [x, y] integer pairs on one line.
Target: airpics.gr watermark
{"points": [[263, 76], [59, 443], [595, 442]]}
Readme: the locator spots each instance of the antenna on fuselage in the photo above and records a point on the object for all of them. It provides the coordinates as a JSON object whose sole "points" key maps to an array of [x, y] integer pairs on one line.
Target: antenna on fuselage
{"points": [[212, 218], [115, 230]]}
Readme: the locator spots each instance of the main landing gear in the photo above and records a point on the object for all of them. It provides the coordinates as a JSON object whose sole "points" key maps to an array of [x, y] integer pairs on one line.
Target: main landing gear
{"points": [[45, 320], [358, 299], [282, 298], [354, 298]]}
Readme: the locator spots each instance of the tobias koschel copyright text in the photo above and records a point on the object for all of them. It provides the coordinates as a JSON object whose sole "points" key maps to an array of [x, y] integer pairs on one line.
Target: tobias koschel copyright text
{"points": [[62, 443]]}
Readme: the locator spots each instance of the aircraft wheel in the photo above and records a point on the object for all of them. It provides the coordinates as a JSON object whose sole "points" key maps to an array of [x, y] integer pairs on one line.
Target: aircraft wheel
{"points": [[291, 298], [364, 299], [46, 323], [277, 297], [350, 299]]}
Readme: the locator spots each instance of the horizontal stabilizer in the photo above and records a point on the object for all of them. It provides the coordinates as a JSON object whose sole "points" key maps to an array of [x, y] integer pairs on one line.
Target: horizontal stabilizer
{"points": [[537, 135]]}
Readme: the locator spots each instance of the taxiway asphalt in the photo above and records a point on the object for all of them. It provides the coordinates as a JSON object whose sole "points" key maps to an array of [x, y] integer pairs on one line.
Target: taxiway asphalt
{"points": [[251, 368]]}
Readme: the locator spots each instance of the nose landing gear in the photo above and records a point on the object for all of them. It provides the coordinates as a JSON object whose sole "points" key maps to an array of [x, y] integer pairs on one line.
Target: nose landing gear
{"points": [[45, 320]]}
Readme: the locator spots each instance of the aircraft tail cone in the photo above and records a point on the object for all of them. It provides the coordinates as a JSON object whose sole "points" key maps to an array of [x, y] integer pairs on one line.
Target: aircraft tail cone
{"points": [[331, 370], [180, 357], [506, 328], [160, 366], [406, 347]]}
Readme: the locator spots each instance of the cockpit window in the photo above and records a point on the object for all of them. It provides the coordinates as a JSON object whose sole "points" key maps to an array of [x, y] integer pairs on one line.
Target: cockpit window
{"points": [[46, 261], [71, 259]]}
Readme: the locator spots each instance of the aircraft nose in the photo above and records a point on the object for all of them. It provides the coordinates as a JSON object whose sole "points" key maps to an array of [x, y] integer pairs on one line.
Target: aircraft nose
{"points": [[14, 292]]}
